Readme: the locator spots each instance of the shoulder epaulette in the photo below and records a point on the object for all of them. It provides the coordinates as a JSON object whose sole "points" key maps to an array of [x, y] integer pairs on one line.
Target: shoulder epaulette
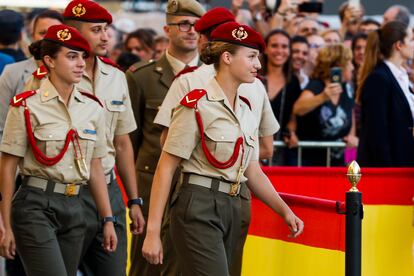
{"points": [[190, 100], [40, 72], [246, 101], [110, 62], [91, 96], [141, 64], [186, 70], [18, 100]]}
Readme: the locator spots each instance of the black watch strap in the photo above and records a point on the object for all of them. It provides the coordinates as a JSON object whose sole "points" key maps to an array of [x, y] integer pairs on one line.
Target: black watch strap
{"points": [[138, 201], [109, 219]]}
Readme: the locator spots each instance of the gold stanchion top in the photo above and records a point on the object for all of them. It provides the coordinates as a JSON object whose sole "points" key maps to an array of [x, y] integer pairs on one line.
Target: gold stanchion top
{"points": [[354, 175]]}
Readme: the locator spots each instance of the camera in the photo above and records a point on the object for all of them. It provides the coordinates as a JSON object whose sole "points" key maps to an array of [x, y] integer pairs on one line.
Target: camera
{"points": [[336, 75], [311, 7]]}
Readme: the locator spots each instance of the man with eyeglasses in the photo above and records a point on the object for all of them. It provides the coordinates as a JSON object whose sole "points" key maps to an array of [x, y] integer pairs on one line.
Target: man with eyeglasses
{"points": [[148, 84]]}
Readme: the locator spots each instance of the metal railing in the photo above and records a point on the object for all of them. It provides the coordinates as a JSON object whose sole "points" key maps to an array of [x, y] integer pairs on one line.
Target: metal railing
{"points": [[328, 145]]}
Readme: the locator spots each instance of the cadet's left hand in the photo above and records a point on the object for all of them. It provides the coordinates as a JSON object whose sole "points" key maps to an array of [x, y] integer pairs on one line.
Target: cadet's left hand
{"points": [[109, 237], [295, 225], [138, 221]]}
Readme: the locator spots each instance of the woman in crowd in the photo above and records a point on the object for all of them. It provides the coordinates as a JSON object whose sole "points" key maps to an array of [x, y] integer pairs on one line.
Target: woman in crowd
{"points": [[324, 108], [387, 104], [56, 136], [283, 89], [213, 137], [141, 43]]}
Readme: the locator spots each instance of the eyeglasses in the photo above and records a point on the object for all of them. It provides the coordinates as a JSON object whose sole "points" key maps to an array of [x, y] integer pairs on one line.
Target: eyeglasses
{"points": [[315, 46], [183, 26]]}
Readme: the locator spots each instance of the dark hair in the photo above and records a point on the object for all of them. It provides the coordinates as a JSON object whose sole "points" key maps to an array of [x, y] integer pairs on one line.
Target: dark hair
{"points": [[299, 39], [287, 66], [358, 36], [47, 14], [212, 51], [42, 48], [145, 37], [379, 46], [369, 21], [125, 60]]}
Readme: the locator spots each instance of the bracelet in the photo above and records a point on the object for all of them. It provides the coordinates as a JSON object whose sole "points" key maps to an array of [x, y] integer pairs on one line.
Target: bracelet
{"points": [[138, 201], [109, 219]]}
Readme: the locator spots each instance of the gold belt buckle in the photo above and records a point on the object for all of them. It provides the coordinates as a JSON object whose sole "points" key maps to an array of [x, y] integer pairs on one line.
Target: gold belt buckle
{"points": [[234, 187], [70, 189]]}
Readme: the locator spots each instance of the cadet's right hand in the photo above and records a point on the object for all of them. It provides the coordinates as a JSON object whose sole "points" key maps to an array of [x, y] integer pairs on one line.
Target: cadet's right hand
{"points": [[109, 237], [8, 245], [152, 249]]}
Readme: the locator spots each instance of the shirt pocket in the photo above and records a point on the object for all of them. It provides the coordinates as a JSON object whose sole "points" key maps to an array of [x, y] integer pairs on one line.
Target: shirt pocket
{"points": [[87, 140], [221, 142], [50, 141], [114, 108]]}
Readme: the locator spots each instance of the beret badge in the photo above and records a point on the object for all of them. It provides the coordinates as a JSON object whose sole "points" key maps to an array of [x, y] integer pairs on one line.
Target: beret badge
{"points": [[172, 6], [78, 10], [64, 35], [240, 33]]}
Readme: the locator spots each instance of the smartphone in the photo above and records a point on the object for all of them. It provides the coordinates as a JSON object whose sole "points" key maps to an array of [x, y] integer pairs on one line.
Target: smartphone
{"points": [[336, 75], [311, 7], [354, 3]]}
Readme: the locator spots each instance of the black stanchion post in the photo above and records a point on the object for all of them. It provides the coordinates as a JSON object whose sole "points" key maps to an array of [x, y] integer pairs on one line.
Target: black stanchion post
{"points": [[354, 215]]}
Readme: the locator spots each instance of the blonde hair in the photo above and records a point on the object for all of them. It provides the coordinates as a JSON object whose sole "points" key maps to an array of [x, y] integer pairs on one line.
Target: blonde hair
{"points": [[212, 51], [336, 55]]}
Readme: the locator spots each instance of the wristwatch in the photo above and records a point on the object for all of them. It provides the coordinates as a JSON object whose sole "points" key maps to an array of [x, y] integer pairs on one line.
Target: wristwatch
{"points": [[109, 219], [138, 201]]}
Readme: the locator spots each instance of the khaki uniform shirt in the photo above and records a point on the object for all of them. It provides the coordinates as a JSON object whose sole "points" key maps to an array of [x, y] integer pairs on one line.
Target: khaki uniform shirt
{"points": [[222, 127], [51, 120], [254, 92], [110, 86]]}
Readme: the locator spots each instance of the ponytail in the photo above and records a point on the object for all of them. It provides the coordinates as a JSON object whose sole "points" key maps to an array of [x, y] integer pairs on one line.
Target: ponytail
{"points": [[371, 59]]}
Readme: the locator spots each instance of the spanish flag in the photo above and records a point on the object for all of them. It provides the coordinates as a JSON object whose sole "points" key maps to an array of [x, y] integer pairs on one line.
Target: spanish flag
{"points": [[387, 226]]}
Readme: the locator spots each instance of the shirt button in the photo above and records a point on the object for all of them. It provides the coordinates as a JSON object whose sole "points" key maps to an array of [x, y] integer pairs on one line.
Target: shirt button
{"points": [[222, 137], [70, 167], [236, 125], [146, 167], [50, 135]]}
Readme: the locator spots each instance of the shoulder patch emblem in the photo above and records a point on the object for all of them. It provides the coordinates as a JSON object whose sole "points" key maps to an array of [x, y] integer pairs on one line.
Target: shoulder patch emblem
{"points": [[246, 101], [109, 62], [40, 72], [91, 96], [190, 100], [186, 70], [19, 100]]}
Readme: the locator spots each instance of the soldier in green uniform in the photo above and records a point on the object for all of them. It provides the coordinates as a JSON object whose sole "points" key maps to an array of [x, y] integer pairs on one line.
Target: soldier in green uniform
{"points": [[148, 84], [213, 137], [109, 84], [57, 151]]}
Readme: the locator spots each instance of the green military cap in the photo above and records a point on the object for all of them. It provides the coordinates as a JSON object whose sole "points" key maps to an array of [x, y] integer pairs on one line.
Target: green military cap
{"points": [[185, 7]]}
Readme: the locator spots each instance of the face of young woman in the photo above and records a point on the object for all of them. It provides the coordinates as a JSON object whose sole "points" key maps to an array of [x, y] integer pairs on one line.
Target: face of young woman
{"points": [[407, 49], [277, 50], [137, 48], [244, 64], [68, 65]]}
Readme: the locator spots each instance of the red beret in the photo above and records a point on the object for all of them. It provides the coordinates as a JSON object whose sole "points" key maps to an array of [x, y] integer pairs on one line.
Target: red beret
{"points": [[68, 37], [236, 33], [87, 11], [213, 18]]}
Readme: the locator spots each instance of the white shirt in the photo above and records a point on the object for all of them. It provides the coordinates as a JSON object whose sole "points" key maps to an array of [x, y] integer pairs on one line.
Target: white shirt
{"points": [[401, 76], [177, 65]]}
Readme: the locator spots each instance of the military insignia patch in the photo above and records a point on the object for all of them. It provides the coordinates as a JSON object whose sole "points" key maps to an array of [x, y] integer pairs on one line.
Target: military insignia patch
{"points": [[239, 33], [64, 35], [172, 6], [78, 10], [191, 99]]}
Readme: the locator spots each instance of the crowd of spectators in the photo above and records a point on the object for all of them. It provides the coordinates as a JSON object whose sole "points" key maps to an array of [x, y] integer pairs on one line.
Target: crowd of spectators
{"points": [[302, 54]]}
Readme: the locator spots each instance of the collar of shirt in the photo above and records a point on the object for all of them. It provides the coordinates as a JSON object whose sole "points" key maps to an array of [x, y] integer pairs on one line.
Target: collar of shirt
{"points": [[48, 92], [177, 65], [399, 73]]}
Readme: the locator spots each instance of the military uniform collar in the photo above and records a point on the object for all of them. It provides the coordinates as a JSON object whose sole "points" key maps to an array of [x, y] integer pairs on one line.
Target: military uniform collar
{"points": [[214, 91], [48, 92], [102, 66], [163, 67], [177, 65]]}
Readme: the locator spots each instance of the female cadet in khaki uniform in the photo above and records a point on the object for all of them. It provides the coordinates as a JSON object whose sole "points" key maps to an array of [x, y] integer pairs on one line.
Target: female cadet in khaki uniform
{"points": [[56, 136], [213, 137]]}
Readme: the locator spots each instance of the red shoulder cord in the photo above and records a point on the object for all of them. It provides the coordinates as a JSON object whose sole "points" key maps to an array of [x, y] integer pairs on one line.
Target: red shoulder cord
{"points": [[72, 135], [211, 159]]}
